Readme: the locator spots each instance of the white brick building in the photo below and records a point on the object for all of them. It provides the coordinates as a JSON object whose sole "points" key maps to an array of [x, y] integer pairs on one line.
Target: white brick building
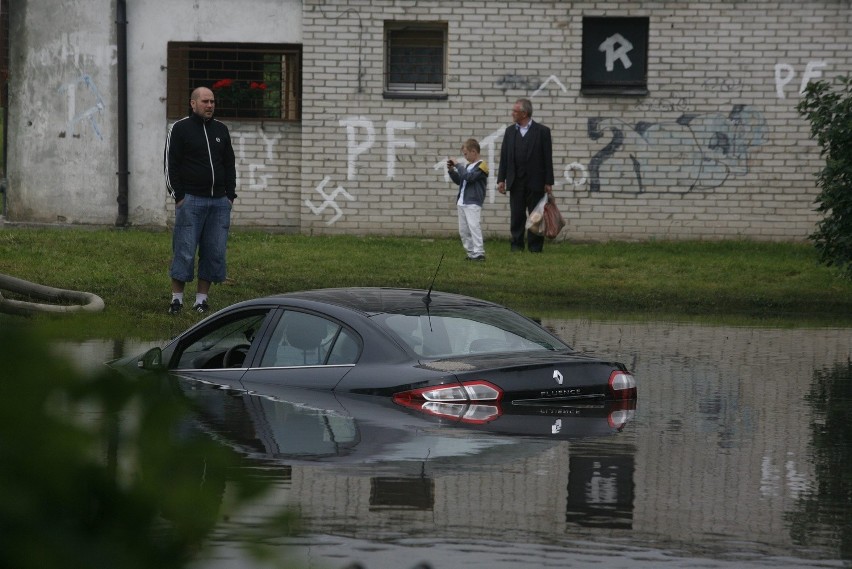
{"points": [[672, 120]]}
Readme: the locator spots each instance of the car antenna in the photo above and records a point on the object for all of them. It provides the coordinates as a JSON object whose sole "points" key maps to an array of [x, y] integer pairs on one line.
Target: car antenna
{"points": [[427, 300]]}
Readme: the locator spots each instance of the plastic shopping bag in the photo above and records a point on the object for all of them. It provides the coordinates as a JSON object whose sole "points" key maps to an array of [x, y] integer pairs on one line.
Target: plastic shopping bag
{"points": [[553, 220], [535, 219]]}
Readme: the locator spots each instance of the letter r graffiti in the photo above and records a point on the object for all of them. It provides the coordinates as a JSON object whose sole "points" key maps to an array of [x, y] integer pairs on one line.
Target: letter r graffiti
{"points": [[616, 48]]}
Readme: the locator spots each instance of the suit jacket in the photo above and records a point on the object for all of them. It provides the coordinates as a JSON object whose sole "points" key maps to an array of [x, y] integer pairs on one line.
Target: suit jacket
{"points": [[539, 158]]}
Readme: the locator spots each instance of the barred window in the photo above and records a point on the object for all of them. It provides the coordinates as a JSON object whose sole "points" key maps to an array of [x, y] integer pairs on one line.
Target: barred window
{"points": [[249, 81], [415, 59]]}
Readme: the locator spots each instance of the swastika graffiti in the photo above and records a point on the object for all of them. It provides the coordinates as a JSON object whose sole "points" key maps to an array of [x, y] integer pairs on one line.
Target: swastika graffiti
{"points": [[329, 200]]}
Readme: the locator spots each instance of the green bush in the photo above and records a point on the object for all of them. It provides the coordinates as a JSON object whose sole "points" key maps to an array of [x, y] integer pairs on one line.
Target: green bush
{"points": [[829, 110], [102, 470]]}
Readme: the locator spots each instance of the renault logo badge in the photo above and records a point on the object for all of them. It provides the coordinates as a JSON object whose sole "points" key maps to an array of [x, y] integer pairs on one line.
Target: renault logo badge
{"points": [[557, 376]]}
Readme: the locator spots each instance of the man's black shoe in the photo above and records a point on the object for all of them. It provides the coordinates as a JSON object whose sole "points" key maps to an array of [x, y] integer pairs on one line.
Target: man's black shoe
{"points": [[174, 307], [202, 307]]}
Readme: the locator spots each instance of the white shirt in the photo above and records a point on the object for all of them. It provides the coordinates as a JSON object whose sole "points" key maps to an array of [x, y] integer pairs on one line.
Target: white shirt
{"points": [[524, 129]]}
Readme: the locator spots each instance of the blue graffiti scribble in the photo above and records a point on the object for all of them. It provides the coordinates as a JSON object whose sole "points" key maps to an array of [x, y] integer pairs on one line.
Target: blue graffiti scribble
{"points": [[695, 152], [89, 113]]}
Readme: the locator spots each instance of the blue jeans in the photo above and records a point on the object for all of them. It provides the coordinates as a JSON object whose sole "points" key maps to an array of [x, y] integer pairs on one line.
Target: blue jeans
{"points": [[201, 224]]}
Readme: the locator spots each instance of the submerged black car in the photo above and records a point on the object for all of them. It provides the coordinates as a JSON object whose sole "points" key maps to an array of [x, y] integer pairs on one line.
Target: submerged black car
{"points": [[439, 353]]}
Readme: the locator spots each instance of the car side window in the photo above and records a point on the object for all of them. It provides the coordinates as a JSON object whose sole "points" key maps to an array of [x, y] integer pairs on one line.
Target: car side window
{"points": [[346, 349], [231, 337], [302, 339]]}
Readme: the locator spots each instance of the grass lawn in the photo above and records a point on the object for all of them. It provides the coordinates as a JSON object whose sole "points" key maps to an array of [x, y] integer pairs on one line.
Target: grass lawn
{"points": [[728, 281]]}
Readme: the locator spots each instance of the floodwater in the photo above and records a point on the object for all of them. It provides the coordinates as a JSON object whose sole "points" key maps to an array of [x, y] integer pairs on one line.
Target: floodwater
{"points": [[738, 454]]}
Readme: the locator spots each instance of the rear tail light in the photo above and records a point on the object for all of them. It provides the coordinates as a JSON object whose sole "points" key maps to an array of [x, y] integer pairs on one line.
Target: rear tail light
{"points": [[622, 385], [469, 391], [470, 414], [459, 402], [621, 413], [617, 419]]}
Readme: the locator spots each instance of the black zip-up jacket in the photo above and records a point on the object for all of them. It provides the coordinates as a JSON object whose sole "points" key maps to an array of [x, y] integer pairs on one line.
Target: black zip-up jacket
{"points": [[199, 159]]}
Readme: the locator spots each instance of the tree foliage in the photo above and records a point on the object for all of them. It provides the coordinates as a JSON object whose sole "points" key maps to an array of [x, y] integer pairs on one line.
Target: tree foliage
{"points": [[106, 469], [828, 107]]}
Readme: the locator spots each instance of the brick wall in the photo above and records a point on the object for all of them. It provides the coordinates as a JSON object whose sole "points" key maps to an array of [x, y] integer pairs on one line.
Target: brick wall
{"points": [[268, 173], [715, 150]]}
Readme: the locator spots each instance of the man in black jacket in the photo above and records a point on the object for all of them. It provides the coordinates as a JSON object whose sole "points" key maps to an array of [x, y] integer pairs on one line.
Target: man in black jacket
{"points": [[201, 176], [526, 171]]}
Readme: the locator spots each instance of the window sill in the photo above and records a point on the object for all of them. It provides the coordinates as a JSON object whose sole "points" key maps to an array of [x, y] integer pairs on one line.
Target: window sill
{"points": [[433, 95], [615, 91]]}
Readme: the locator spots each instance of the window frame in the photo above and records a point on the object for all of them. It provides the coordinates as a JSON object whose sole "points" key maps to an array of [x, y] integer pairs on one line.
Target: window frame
{"points": [[395, 40], [632, 83], [255, 84]]}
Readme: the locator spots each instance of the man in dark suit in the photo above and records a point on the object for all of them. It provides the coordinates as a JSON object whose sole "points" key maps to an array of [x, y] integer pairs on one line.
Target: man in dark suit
{"points": [[526, 171]]}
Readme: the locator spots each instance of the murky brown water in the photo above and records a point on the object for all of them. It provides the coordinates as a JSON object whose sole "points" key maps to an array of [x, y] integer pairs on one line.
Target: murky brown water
{"points": [[739, 455]]}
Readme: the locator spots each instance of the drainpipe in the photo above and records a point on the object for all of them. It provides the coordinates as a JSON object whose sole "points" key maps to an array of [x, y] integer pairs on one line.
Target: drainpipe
{"points": [[121, 68], [4, 77]]}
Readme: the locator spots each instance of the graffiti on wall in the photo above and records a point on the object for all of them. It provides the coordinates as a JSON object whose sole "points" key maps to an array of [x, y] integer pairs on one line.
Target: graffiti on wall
{"points": [[616, 48], [361, 137], [329, 201], [786, 73], [529, 83], [82, 93], [248, 161], [696, 151], [522, 82]]}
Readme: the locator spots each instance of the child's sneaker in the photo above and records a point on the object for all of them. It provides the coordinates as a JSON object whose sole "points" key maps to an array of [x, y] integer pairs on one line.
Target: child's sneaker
{"points": [[202, 307], [175, 306]]}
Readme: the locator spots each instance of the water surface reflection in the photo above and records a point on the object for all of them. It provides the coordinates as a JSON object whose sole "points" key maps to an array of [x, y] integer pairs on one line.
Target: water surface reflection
{"points": [[738, 455]]}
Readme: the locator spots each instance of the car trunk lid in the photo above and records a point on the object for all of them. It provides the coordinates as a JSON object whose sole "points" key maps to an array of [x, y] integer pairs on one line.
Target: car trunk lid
{"points": [[535, 378]]}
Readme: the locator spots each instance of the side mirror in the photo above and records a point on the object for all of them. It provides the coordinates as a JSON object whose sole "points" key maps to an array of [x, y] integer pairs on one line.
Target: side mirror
{"points": [[151, 360]]}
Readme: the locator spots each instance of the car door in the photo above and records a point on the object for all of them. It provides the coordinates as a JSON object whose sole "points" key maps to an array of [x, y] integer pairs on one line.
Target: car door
{"points": [[218, 349], [305, 349]]}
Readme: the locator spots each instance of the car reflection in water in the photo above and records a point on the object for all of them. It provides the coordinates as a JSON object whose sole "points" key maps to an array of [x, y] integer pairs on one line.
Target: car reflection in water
{"points": [[285, 423], [403, 451]]}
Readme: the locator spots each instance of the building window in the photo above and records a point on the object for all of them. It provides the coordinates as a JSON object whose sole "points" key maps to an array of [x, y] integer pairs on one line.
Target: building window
{"points": [[249, 81], [615, 56], [415, 59]]}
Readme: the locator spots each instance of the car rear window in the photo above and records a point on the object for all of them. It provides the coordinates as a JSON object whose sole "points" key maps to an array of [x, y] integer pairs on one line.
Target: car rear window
{"points": [[473, 330]]}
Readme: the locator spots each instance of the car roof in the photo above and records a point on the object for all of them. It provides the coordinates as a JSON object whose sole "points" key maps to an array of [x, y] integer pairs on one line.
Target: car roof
{"points": [[378, 300]]}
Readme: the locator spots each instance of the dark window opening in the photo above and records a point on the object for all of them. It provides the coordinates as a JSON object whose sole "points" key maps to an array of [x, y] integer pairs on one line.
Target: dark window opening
{"points": [[615, 56], [415, 59], [403, 493]]}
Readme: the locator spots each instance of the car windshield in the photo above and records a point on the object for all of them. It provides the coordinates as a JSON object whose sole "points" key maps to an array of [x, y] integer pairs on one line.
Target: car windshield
{"points": [[445, 332]]}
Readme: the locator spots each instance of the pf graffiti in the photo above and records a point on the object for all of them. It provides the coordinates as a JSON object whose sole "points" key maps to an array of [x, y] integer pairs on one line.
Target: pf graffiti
{"points": [[785, 73], [361, 136]]}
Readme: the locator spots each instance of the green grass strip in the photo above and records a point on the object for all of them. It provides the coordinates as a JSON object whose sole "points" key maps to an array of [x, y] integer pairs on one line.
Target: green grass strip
{"points": [[740, 282]]}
